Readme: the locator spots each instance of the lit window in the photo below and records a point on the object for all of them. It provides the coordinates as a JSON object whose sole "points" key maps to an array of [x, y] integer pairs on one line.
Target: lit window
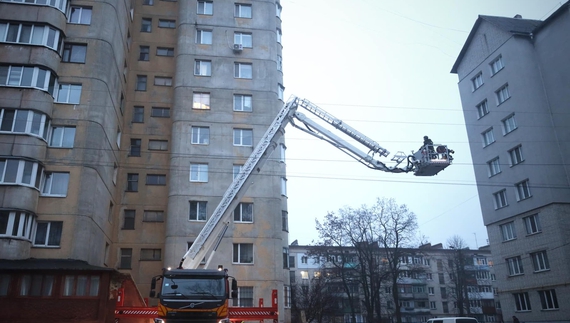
{"points": [[198, 172], [141, 83], [243, 212], [201, 101], [205, 8], [508, 231], [165, 51], [158, 145], [242, 10], [69, 93], [162, 81], [48, 234], [62, 137], [80, 15], [146, 25], [500, 198], [540, 261], [197, 211], [243, 253], [55, 184], [245, 39], [516, 155], [243, 70], [155, 179], [203, 37], [74, 53], [522, 301], [151, 254], [477, 81], [203, 68], [532, 224], [482, 109], [497, 65], [548, 299], [515, 266], [200, 135], [494, 166], [243, 102], [166, 23], [488, 137], [144, 53], [243, 137], [503, 94], [523, 190], [304, 274], [509, 124]]}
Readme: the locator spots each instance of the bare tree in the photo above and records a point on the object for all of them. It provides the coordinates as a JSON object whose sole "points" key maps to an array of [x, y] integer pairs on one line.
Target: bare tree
{"points": [[460, 277], [314, 302]]}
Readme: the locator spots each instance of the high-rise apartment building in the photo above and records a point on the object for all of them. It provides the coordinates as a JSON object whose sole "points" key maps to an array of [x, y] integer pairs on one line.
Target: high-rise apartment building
{"points": [[513, 81], [122, 124]]}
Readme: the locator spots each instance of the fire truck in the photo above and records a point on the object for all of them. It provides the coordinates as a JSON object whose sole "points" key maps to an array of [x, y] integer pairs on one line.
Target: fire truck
{"points": [[193, 295]]}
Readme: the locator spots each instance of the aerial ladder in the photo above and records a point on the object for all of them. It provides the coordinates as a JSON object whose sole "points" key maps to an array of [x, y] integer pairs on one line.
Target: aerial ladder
{"points": [[429, 160]]}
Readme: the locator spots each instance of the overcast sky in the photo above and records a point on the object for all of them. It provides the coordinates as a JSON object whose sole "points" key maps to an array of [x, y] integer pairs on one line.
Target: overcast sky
{"points": [[383, 67]]}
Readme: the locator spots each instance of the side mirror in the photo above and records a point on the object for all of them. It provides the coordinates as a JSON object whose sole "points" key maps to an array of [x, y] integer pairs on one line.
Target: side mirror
{"points": [[234, 285], [152, 293]]}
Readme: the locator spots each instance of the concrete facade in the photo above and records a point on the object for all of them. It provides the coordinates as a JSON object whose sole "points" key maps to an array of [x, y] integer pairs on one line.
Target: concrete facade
{"points": [[120, 194], [522, 169]]}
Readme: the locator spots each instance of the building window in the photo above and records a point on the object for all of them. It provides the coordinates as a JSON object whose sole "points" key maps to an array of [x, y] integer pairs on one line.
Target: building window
{"points": [[243, 213], [166, 23], [48, 234], [287, 298], [431, 290], [55, 184], [11, 32], [203, 37], [509, 124], [242, 10], [138, 114], [151, 254], [503, 94], [243, 253], [245, 297], [203, 68], [482, 109], [158, 145], [279, 63], [132, 182], [25, 76], [243, 70], [205, 8], [146, 25], [532, 224], [200, 135], [284, 221], [522, 302], [488, 137], [197, 211], [516, 155], [523, 190], [74, 53], [162, 81], [278, 10], [62, 137], [245, 39], [69, 93], [283, 186], [126, 255], [201, 101], [198, 173], [24, 121], [548, 299], [497, 65], [135, 148], [285, 257], [236, 169], [243, 137], [80, 15], [129, 219], [165, 51], [278, 34], [243, 102], [500, 198], [148, 2], [144, 53], [280, 91], [160, 112], [494, 166], [36, 285], [540, 261], [155, 179], [141, 83], [477, 81], [153, 216], [508, 231], [515, 266]]}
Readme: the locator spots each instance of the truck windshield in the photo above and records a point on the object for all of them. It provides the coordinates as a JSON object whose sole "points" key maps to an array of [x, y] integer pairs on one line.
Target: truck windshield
{"points": [[194, 286]]}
